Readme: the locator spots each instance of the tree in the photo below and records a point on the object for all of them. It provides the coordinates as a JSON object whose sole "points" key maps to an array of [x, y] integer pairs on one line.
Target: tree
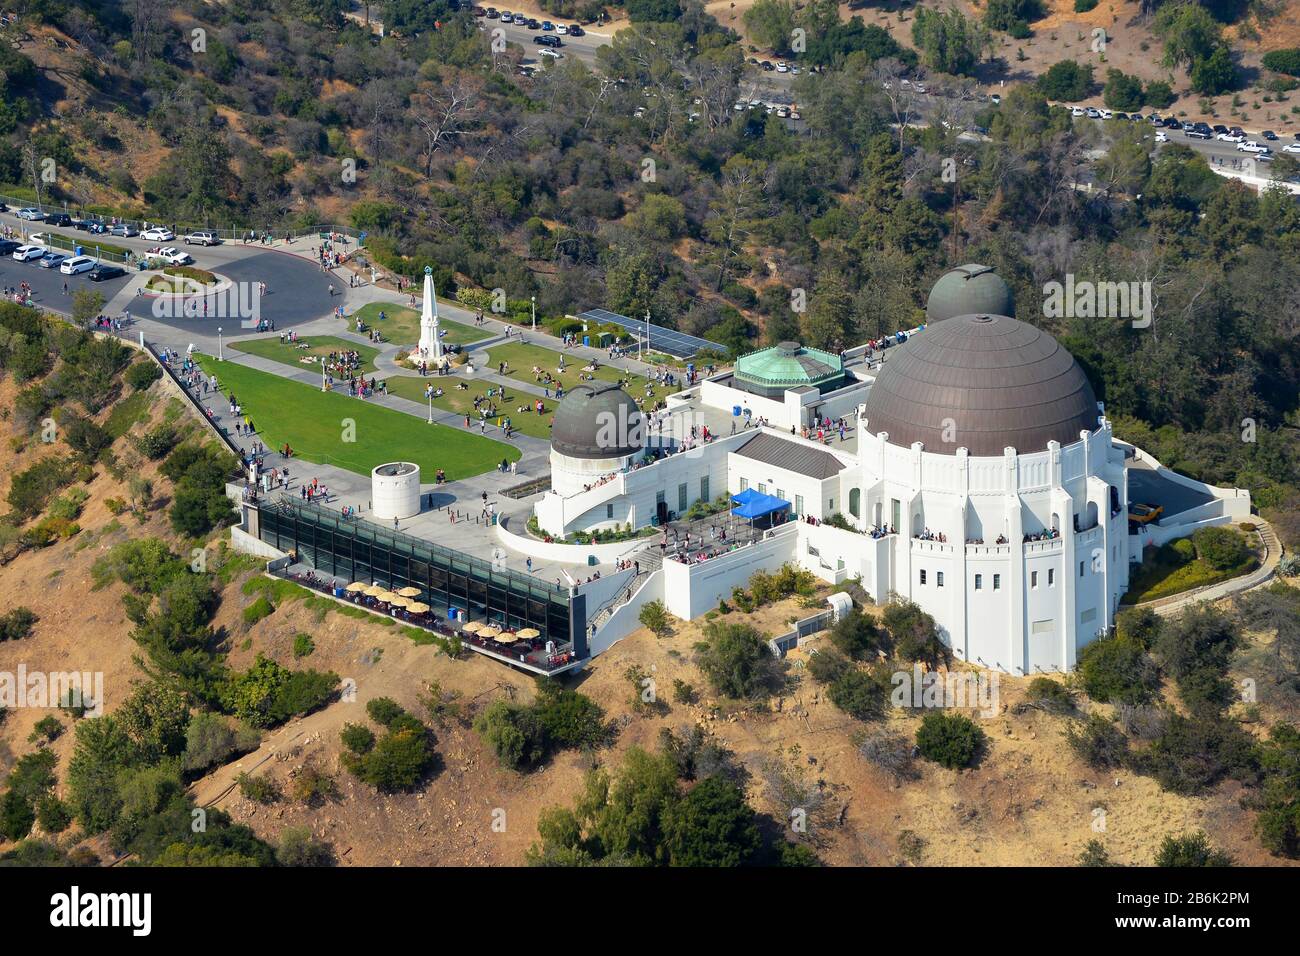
{"points": [[915, 634], [858, 694], [1117, 670], [1215, 74], [711, 826], [771, 24], [298, 848], [950, 740], [949, 41], [858, 636], [1122, 92], [654, 616], [736, 661], [1066, 80]]}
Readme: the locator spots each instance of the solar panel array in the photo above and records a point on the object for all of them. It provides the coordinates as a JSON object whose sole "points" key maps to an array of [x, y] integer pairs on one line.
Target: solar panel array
{"points": [[677, 344]]}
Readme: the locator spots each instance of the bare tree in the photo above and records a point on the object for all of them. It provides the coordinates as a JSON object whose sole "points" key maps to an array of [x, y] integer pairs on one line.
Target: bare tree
{"points": [[443, 117]]}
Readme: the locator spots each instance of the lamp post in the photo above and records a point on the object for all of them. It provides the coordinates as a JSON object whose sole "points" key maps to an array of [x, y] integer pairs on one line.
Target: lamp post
{"points": [[534, 313], [324, 387], [221, 355], [430, 406]]}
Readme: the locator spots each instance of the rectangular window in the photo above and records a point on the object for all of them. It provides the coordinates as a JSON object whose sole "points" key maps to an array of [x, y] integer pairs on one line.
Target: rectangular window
{"points": [[979, 582], [659, 497], [609, 510], [1042, 627], [922, 576], [938, 579], [895, 513], [997, 582], [798, 504], [704, 489], [830, 506], [762, 487], [681, 497], [1051, 577], [1080, 569], [780, 494], [1088, 616], [1033, 579], [744, 484]]}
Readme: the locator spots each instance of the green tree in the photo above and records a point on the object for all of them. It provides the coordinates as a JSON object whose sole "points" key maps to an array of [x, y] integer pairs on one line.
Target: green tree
{"points": [[711, 826], [1192, 849], [950, 740]]}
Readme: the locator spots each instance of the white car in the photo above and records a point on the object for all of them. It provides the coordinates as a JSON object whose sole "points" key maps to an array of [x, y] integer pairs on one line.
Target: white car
{"points": [[995, 99], [1250, 146], [781, 67], [551, 53], [76, 265], [1076, 110], [203, 237], [1162, 136], [1291, 148], [28, 253], [171, 255], [158, 234], [31, 214], [562, 30], [1230, 138], [1106, 114]]}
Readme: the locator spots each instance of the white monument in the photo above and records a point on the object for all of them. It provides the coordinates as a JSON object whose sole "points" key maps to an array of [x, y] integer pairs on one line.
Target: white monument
{"points": [[430, 343]]}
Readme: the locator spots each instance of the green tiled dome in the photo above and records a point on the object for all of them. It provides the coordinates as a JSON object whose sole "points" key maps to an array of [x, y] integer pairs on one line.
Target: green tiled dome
{"points": [[773, 370], [969, 290]]}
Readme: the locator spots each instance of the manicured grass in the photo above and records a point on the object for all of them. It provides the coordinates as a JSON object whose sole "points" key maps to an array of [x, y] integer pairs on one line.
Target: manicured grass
{"points": [[521, 358], [402, 325], [462, 402], [292, 354], [314, 425]]}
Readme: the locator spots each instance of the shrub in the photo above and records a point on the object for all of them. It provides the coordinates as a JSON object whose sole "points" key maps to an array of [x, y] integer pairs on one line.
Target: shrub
{"points": [[1098, 743], [1050, 693], [298, 848], [857, 636], [258, 789], [358, 739], [1083, 6], [1283, 61], [303, 645], [1192, 849], [259, 609], [858, 694], [17, 624], [1066, 80], [1222, 548], [827, 666], [654, 616], [950, 740], [384, 711], [313, 787], [737, 662], [398, 761], [142, 374], [1117, 670]]}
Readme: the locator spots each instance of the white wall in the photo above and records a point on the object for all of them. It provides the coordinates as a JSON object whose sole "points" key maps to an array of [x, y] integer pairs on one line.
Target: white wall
{"points": [[692, 589]]}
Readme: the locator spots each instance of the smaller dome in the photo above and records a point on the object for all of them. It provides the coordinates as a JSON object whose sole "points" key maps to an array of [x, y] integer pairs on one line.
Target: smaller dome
{"points": [[772, 370], [969, 290], [598, 420]]}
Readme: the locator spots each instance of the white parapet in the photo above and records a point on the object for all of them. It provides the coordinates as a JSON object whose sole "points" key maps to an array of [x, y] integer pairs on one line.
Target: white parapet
{"points": [[395, 490]]}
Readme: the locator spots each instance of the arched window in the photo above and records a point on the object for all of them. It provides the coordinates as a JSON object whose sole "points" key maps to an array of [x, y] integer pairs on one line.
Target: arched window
{"points": [[855, 502]]}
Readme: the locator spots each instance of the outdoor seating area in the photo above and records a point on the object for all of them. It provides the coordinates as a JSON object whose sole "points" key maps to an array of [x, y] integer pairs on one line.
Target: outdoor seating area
{"points": [[526, 646]]}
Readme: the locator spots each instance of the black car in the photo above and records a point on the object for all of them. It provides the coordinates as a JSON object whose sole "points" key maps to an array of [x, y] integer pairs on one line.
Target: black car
{"points": [[547, 39], [1219, 128], [576, 31], [767, 66], [493, 13], [58, 219], [105, 271], [533, 24], [7, 246], [95, 226], [1268, 134], [1172, 123]]}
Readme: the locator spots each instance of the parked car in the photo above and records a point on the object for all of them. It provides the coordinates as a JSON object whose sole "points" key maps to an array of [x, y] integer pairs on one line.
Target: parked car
{"points": [[575, 30], [767, 66], [7, 247], [95, 226], [52, 260], [105, 271], [1269, 135], [781, 67], [546, 39], [125, 230], [202, 238], [1162, 136], [493, 13], [1230, 137], [29, 252], [1219, 128], [1197, 134], [158, 234], [31, 214], [1076, 110], [1291, 148], [533, 24], [480, 12], [76, 265], [1251, 146], [561, 29], [58, 219], [547, 25], [995, 99]]}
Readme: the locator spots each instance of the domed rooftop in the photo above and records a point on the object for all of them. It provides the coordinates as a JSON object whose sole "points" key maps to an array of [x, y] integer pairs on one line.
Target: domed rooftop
{"points": [[993, 380], [969, 289], [775, 369], [597, 420]]}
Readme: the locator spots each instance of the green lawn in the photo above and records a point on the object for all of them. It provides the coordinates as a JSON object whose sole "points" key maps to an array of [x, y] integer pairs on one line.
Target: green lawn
{"points": [[292, 354], [521, 358], [1170, 569], [314, 425], [462, 402], [402, 325]]}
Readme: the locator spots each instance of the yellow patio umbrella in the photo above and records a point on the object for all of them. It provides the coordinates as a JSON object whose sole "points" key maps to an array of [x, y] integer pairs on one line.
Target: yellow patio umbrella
{"points": [[399, 601], [415, 607], [356, 586], [505, 637], [409, 592], [473, 627], [386, 596], [530, 632], [489, 631], [375, 590]]}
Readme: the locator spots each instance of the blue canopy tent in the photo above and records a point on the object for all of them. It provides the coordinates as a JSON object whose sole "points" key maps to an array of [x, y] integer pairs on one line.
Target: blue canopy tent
{"points": [[755, 505]]}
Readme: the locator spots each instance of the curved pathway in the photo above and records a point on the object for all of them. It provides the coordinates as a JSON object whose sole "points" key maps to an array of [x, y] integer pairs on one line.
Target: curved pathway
{"points": [[1213, 592]]}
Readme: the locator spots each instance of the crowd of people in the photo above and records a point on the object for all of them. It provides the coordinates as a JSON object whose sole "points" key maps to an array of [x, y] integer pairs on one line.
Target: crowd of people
{"points": [[928, 535], [1047, 534]]}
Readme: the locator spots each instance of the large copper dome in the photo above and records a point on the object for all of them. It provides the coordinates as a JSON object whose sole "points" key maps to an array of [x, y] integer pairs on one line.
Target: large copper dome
{"points": [[598, 420], [981, 382]]}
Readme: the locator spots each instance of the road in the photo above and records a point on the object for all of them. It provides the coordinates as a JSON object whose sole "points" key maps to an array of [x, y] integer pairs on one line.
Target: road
{"points": [[581, 48]]}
